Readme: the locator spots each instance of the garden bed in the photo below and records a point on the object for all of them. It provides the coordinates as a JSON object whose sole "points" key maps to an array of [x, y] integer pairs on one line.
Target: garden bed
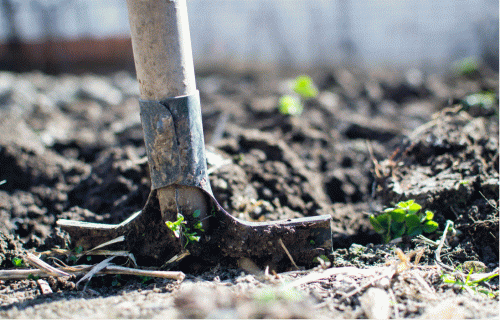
{"points": [[71, 147]]}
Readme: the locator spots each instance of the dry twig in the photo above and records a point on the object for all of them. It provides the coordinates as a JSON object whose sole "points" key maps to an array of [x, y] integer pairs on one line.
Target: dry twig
{"points": [[20, 274], [440, 246], [37, 262], [288, 254]]}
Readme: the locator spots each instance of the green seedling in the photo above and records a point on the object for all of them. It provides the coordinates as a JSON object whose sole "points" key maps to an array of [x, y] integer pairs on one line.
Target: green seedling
{"points": [[196, 213], [17, 262], [176, 226], [33, 277], [145, 279], [473, 286], [272, 294], [466, 66], [198, 226], [290, 105], [405, 219], [179, 227], [78, 251], [485, 101], [304, 87]]}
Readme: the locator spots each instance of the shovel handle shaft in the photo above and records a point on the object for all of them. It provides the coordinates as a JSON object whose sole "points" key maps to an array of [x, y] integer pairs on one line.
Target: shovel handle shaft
{"points": [[164, 65], [162, 48]]}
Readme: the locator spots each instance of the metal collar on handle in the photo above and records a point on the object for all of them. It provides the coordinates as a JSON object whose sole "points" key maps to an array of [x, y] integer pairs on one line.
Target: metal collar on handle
{"points": [[173, 133]]}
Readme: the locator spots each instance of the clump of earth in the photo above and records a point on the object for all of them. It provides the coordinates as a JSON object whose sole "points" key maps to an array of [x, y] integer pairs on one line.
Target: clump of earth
{"points": [[71, 147]]}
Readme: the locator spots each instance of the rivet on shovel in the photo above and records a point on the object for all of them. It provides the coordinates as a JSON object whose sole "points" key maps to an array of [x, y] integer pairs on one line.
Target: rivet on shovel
{"points": [[173, 134]]}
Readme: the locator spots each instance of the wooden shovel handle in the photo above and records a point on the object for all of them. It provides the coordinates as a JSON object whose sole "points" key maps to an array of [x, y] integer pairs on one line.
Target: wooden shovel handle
{"points": [[164, 65], [162, 48]]}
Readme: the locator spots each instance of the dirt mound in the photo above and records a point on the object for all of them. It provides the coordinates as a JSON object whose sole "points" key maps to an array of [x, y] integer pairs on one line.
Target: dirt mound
{"points": [[450, 166]]}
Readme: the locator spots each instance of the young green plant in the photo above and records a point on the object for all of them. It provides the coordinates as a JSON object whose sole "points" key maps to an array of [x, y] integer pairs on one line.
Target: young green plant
{"points": [[179, 227], [473, 286], [18, 262], [405, 219], [304, 88]]}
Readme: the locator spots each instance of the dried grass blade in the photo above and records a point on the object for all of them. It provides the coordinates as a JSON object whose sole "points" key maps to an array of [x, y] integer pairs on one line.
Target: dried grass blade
{"points": [[176, 275], [120, 253], [107, 243], [288, 254], [98, 267], [37, 262]]}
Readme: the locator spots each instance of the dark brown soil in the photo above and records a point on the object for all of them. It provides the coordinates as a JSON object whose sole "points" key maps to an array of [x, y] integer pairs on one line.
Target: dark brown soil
{"points": [[71, 147]]}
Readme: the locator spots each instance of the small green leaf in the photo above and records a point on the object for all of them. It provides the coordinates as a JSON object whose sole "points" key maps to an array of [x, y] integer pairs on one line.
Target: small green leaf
{"points": [[397, 229], [174, 227], [289, 105], [376, 225], [412, 221], [145, 279], [196, 213], [466, 66], [482, 99], [304, 86], [193, 237], [386, 238], [17, 262], [414, 208], [33, 277], [398, 215], [430, 226], [405, 204], [429, 215], [448, 278], [199, 226], [415, 230]]}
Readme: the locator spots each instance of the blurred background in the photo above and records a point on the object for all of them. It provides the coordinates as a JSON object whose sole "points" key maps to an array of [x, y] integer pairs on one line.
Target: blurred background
{"points": [[281, 36]]}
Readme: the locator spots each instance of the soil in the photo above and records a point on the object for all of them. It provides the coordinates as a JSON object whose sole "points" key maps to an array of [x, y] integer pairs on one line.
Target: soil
{"points": [[71, 146]]}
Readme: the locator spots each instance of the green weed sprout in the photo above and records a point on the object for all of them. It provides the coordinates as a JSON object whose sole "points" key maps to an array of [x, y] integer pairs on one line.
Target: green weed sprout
{"points": [[272, 294], [485, 101], [290, 105], [471, 285], [17, 262], [405, 219], [176, 226], [179, 227], [304, 87], [466, 66]]}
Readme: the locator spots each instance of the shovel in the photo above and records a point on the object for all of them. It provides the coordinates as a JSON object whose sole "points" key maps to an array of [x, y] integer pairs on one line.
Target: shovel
{"points": [[181, 215]]}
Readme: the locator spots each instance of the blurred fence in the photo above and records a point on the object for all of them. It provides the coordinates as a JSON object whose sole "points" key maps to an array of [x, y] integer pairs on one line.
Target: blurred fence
{"points": [[259, 34]]}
